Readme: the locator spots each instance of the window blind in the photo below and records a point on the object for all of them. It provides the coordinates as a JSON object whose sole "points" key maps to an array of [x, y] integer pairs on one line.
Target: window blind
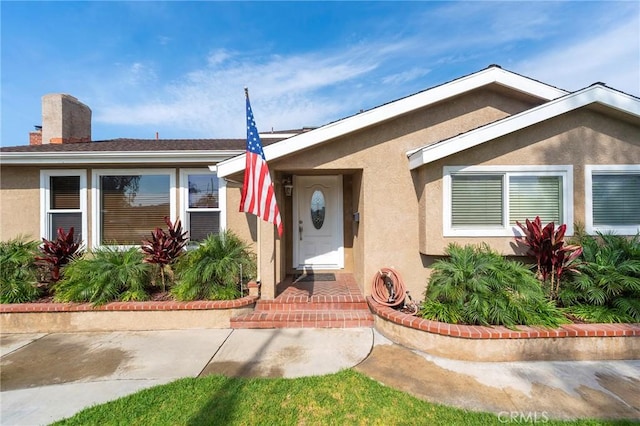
{"points": [[65, 221], [203, 224], [476, 200], [616, 199], [64, 192], [531, 196], [133, 206]]}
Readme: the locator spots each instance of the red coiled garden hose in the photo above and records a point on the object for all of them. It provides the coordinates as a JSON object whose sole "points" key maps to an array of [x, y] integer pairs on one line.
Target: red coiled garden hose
{"points": [[388, 288]]}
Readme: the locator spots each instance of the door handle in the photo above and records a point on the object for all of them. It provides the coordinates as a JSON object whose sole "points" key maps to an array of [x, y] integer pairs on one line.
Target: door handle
{"points": [[300, 229]]}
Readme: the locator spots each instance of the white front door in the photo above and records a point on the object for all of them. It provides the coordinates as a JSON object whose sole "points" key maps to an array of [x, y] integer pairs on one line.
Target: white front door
{"points": [[317, 227]]}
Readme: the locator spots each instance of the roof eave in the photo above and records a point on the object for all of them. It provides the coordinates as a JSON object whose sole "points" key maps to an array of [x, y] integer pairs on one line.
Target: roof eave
{"points": [[397, 108], [108, 157], [590, 95]]}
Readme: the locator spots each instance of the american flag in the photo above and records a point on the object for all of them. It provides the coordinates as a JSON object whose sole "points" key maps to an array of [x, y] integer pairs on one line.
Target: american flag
{"points": [[258, 197]]}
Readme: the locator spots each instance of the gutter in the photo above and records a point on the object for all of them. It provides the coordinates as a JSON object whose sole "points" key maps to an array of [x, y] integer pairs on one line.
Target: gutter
{"points": [[109, 157]]}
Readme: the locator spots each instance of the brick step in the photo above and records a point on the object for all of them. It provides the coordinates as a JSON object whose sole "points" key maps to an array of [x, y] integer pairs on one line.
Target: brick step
{"points": [[302, 305], [304, 319]]}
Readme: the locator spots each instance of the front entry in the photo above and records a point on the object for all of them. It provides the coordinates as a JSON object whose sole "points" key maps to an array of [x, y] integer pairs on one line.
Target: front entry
{"points": [[317, 215]]}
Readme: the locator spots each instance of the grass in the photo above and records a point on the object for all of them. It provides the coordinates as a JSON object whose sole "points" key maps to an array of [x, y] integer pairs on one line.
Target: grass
{"points": [[344, 398]]}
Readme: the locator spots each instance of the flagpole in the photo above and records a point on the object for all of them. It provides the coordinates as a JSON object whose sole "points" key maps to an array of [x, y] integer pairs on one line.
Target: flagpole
{"points": [[258, 229]]}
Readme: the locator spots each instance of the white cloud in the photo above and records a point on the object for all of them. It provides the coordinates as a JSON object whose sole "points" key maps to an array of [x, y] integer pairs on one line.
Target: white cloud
{"points": [[612, 57], [139, 73], [290, 91], [286, 92], [218, 56], [406, 76]]}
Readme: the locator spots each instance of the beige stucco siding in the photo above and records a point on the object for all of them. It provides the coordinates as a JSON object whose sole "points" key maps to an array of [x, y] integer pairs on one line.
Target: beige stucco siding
{"points": [[383, 188], [19, 202], [242, 224], [579, 138]]}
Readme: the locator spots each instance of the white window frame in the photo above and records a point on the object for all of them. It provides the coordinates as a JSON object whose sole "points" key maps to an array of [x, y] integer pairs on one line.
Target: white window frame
{"points": [[589, 171], [45, 201], [184, 197], [96, 236], [507, 230]]}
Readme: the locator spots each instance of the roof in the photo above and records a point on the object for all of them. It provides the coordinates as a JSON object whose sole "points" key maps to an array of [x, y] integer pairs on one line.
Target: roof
{"points": [[594, 94], [283, 134], [485, 77], [127, 151], [133, 145]]}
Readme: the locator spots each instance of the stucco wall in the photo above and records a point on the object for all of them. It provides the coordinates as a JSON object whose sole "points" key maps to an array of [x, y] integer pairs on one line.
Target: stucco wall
{"points": [[19, 202], [242, 224], [385, 192], [579, 138]]}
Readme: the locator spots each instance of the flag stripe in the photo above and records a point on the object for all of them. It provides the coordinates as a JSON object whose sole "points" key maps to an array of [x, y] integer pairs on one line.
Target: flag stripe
{"points": [[258, 196]]}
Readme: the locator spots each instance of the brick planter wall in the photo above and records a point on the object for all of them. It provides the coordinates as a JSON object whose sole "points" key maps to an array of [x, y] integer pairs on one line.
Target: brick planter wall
{"points": [[120, 316], [478, 343]]}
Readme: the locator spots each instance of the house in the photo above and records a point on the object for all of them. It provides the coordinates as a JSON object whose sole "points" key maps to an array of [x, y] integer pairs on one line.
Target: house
{"points": [[391, 186]]}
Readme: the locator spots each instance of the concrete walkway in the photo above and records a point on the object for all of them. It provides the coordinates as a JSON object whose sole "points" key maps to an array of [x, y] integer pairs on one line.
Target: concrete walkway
{"points": [[47, 377]]}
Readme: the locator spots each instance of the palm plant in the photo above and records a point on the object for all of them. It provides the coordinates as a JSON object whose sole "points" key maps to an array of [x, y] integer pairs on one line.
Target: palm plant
{"points": [[607, 289], [215, 270], [18, 272], [475, 285], [107, 274]]}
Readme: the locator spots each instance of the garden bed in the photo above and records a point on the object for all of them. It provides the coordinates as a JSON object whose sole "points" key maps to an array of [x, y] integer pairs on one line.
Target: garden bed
{"points": [[479, 343], [121, 316]]}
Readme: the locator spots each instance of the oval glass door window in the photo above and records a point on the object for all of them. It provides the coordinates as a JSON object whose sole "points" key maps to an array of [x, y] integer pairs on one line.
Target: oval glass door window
{"points": [[318, 208]]}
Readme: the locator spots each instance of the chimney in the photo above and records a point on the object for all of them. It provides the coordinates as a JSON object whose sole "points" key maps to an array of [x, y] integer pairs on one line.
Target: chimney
{"points": [[64, 120], [35, 137]]}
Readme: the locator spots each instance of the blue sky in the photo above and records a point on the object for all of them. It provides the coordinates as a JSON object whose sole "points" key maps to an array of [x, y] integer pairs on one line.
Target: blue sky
{"points": [[179, 68]]}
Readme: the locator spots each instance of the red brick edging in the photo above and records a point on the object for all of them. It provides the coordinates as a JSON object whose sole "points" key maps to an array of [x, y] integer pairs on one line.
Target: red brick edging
{"points": [[129, 306], [500, 332]]}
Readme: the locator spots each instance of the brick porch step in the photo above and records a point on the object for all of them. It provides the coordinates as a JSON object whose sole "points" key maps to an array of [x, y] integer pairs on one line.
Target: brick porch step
{"points": [[333, 304], [304, 319]]}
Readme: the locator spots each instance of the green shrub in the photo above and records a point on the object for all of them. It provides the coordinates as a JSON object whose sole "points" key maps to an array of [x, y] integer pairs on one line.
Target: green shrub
{"points": [[607, 288], [105, 275], [213, 270], [475, 285], [18, 271]]}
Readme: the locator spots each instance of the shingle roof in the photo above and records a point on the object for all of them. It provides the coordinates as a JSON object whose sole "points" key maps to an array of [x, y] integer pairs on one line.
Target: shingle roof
{"points": [[139, 145]]}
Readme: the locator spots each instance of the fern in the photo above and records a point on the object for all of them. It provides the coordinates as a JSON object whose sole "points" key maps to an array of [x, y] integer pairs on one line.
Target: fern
{"points": [[476, 285], [607, 288], [108, 275], [213, 270], [18, 272]]}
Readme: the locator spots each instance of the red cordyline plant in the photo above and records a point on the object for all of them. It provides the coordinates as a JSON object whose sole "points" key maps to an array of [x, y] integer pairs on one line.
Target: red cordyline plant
{"points": [[164, 248], [547, 245], [59, 252]]}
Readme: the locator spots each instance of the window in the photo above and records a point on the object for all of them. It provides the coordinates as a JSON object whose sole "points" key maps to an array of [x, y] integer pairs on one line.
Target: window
{"points": [[203, 201], [612, 199], [63, 202], [129, 204], [488, 200]]}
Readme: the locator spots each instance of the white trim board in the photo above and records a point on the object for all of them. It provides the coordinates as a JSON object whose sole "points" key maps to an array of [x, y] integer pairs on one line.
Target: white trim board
{"points": [[593, 94], [396, 108], [119, 157]]}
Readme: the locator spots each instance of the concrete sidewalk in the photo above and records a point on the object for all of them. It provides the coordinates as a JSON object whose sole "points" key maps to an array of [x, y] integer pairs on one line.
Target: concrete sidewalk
{"points": [[47, 377]]}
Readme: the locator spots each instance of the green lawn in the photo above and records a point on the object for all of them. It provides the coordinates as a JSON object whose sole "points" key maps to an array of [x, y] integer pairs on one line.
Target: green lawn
{"points": [[344, 398]]}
